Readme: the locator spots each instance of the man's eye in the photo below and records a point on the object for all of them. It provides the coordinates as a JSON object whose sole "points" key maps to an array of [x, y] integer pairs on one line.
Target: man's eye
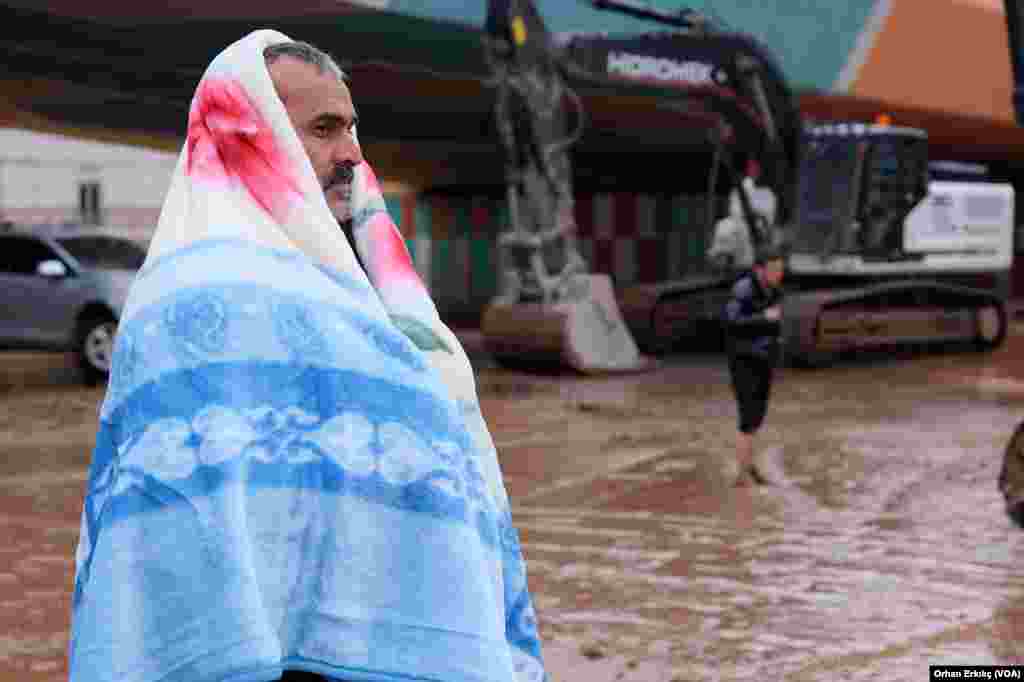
{"points": [[322, 131]]}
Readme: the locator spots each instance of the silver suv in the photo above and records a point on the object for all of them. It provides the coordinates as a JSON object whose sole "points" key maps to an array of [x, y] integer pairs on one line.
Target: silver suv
{"points": [[64, 292]]}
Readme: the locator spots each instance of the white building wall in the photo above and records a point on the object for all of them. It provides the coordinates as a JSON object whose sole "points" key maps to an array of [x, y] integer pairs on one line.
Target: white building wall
{"points": [[40, 175]]}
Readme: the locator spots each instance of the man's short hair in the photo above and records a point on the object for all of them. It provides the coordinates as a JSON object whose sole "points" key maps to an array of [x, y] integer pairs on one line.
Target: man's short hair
{"points": [[306, 53], [769, 252]]}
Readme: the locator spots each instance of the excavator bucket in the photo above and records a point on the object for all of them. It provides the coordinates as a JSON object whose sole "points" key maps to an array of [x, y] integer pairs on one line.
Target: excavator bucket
{"points": [[551, 311], [587, 334]]}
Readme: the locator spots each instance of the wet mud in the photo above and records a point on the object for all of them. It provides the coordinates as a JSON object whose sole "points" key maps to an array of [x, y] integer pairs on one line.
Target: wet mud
{"points": [[881, 545]]}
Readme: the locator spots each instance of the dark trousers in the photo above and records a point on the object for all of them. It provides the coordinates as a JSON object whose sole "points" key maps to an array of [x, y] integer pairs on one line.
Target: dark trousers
{"points": [[751, 384]]}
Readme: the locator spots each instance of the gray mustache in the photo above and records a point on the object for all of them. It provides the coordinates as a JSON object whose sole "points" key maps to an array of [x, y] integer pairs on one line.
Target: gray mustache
{"points": [[341, 175]]}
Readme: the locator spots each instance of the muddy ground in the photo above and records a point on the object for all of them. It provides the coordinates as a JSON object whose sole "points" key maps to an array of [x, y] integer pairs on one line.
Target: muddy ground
{"points": [[881, 548]]}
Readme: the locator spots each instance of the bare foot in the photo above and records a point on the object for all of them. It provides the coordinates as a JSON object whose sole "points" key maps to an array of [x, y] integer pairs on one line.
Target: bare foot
{"points": [[744, 480], [758, 477]]}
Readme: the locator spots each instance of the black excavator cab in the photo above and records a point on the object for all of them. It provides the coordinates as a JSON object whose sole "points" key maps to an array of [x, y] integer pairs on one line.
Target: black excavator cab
{"points": [[856, 185]]}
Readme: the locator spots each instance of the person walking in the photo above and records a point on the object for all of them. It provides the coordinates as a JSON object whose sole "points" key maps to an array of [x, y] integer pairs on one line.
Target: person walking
{"points": [[752, 328]]}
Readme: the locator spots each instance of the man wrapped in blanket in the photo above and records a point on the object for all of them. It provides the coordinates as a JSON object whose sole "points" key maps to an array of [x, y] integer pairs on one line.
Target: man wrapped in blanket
{"points": [[291, 474]]}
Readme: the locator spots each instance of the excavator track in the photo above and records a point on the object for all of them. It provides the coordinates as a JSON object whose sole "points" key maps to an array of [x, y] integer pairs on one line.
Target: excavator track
{"points": [[821, 325], [818, 326]]}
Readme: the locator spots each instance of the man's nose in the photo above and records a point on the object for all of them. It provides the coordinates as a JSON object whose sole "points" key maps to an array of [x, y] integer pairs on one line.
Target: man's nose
{"points": [[347, 151]]}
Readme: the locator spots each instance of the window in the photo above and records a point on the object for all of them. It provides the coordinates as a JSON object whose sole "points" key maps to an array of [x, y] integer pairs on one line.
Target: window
{"points": [[826, 179], [21, 256], [107, 253], [90, 207]]}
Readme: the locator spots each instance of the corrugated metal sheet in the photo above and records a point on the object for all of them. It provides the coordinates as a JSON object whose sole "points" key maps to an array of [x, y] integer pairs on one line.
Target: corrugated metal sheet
{"points": [[488, 219], [633, 238]]}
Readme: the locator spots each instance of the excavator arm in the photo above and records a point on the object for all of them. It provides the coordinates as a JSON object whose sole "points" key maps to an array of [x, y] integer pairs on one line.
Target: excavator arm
{"points": [[532, 110], [728, 77]]}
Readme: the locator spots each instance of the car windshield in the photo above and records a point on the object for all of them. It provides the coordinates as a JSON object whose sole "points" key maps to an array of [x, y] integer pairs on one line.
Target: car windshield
{"points": [[105, 253]]}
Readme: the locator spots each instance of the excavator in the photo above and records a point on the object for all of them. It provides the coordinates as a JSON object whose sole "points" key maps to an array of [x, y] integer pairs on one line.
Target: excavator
{"points": [[879, 252]]}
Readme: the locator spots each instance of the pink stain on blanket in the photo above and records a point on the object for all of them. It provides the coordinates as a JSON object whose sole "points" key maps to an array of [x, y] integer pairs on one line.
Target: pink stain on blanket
{"points": [[228, 140], [372, 184], [389, 263]]}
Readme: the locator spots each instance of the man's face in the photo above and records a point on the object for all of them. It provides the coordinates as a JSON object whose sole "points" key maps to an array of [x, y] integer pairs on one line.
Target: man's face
{"points": [[772, 272], [321, 111]]}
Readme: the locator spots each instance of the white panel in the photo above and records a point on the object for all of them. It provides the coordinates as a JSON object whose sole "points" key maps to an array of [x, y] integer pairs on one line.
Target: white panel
{"points": [[961, 217], [41, 175]]}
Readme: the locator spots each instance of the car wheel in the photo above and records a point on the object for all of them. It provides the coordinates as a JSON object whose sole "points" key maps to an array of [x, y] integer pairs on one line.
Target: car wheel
{"points": [[991, 325], [96, 348]]}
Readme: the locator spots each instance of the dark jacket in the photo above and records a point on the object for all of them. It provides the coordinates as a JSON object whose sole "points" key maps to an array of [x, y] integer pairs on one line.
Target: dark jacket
{"points": [[747, 330]]}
